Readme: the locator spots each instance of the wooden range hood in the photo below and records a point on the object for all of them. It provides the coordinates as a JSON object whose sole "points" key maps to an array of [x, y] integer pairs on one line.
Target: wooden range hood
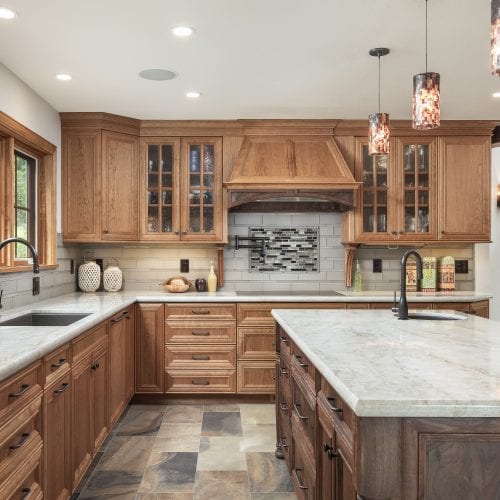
{"points": [[292, 173]]}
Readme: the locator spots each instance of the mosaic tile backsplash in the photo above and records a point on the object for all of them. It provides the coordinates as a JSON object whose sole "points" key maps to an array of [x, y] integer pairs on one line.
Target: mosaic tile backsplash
{"points": [[287, 249]]}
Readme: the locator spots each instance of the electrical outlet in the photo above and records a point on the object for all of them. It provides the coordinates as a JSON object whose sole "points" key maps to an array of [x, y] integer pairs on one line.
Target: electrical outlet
{"points": [[184, 265], [72, 266], [461, 266], [377, 265]]}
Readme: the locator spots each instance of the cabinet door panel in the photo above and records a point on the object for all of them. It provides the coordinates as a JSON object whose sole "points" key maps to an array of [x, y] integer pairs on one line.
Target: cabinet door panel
{"points": [[465, 193], [119, 186], [100, 397]]}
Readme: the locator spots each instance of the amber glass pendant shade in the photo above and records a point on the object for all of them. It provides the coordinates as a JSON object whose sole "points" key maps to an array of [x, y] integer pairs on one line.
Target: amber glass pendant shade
{"points": [[495, 37], [378, 134], [426, 101]]}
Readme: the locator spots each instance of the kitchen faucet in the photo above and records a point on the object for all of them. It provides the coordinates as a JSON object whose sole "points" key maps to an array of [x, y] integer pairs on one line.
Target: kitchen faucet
{"points": [[403, 305], [36, 267]]}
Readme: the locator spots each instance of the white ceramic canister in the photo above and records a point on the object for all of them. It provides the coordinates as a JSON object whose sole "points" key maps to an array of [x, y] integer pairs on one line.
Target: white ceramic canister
{"points": [[89, 276], [112, 278]]}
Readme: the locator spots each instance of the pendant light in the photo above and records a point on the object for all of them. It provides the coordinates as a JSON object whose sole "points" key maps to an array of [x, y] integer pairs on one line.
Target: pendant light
{"points": [[378, 128], [495, 37], [426, 98]]}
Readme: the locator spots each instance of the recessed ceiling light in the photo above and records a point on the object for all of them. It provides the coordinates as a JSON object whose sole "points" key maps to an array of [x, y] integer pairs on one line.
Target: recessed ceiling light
{"points": [[63, 77], [157, 74], [496, 94], [182, 31], [193, 94], [6, 13]]}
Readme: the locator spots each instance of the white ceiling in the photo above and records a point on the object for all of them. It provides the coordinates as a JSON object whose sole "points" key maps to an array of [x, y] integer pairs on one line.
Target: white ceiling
{"points": [[251, 58]]}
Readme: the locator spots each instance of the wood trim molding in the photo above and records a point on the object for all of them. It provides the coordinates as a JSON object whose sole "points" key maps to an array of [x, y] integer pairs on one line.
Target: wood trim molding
{"points": [[106, 121]]}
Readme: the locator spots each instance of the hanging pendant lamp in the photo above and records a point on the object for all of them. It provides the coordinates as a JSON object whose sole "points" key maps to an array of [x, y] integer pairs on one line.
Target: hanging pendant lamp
{"points": [[378, 128], [495, 37], [426, 97]]}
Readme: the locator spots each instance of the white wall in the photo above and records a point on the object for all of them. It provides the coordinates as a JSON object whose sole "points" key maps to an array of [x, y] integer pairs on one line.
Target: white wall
{"points": [[24, 105], [487, 256]]}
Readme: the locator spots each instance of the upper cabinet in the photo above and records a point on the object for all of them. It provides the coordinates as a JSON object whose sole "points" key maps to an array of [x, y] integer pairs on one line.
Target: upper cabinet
{"points": [[181, 185], [465, 188]]}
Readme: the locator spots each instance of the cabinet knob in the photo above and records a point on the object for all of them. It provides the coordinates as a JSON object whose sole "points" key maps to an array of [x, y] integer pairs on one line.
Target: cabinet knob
{"points": [[106, 231], [184, 232], [176, 232], [330, 453]]}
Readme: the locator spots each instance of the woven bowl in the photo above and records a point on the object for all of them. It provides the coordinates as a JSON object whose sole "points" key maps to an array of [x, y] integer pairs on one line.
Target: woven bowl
{"points": [[177, 284]]}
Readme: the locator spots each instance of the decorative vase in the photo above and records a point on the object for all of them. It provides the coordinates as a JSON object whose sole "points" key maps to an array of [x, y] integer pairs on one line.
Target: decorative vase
{"points": [[112, 278], [89, 276]]}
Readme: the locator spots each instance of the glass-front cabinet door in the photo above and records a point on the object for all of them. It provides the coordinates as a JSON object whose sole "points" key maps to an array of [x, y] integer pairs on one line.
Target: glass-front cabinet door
{"points": [[160, 190], [375, 218], [201, 189], [415, 198]]}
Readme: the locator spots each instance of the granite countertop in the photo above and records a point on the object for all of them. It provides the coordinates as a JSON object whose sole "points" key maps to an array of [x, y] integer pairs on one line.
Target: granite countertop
{"points": [[20, 346], [384, 367]]}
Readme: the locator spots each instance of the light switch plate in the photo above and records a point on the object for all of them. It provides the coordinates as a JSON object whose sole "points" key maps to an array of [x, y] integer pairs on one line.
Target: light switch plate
{"points": [[377, 265], [184, 265]]}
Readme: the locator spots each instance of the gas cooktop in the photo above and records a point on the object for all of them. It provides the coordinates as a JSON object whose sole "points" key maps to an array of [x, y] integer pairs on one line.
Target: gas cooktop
{"points": [[307, 293]]}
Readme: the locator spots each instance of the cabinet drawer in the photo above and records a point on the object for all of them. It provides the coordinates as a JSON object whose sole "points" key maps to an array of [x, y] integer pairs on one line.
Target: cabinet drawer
{"points": [[186, 381], [304, 414], [200, 357], [88, 341], [56, 363], [453, 306], [256, 343], [304, 375], [284, 343], [190, 312], [304, 467], [197, 332], [19, 389], [285, 440], [256, 377]]}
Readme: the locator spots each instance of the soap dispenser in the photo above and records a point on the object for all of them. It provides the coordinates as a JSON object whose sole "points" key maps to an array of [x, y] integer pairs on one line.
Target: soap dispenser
{"points": [[212, 278]]}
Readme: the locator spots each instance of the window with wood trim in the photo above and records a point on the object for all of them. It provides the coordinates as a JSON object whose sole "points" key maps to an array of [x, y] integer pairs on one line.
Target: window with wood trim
{"points": [[27, 196]]}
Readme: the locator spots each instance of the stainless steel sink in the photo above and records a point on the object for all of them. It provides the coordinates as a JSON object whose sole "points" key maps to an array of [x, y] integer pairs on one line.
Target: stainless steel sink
{"points": [[436, 316], [44, 319]]}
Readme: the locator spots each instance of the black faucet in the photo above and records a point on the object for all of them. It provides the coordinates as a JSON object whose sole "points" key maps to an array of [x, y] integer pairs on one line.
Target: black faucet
{"points": [[403, 305], [36, 266]]}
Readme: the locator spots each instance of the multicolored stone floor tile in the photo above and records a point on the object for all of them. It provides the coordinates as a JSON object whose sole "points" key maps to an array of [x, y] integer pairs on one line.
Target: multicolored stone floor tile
{"points": [[190, 452]]}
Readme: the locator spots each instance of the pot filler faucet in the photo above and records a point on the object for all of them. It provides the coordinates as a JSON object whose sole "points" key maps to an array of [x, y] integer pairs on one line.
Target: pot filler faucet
{"points": [[403, 305], [36, 267]]}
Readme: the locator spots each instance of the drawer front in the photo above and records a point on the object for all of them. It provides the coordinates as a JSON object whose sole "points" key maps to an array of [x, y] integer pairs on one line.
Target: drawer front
{"points": [[285, 441], [256, 377], [454, 306], [304, 467], [200, 332], [284, 342], [88, 341], [56, 363], [256, 343], [186, 381], [304, 414], [183, 312], [304, 376], [200, 357], [17, 390]]}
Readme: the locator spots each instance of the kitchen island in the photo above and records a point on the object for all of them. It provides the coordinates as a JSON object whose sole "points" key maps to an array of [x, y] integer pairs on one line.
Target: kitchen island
{"points": [[372, 406]]}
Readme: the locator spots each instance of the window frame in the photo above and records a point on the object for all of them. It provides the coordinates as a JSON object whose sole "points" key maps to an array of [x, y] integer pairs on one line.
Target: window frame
{"points": [[16, 137]]}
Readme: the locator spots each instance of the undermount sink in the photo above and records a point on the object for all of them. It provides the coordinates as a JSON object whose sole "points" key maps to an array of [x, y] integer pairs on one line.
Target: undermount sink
{"points": [[436, 316], [44, 319]]}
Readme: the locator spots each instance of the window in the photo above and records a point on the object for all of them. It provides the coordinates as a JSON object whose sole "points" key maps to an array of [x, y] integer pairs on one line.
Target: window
{"points": [[27, 196], [25, 209]]}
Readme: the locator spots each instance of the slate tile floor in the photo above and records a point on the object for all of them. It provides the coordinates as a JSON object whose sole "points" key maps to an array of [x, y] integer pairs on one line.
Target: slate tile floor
{"points": [[190, 452]]}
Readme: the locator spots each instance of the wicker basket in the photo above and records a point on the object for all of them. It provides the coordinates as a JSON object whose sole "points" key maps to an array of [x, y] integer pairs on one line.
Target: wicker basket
{"points": [[177, 284]]}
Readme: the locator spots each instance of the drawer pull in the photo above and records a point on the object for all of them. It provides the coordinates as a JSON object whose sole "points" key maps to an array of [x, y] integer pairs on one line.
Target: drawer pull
{"points": [[55, 366], [331, 405], [22, 390], [25, 493], [200, 311], [24, 437], [283, 439], [95, 366], [200, 357], [284, 339], [329, 451], [123, 316], [63, 388], [200, 382], [201, 334], [298, 358], [283, 407], [297, 407], [299, 482], [283, 371]]}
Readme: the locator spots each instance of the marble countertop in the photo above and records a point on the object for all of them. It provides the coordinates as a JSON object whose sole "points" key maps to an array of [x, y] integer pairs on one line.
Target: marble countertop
{"points": [[20, 346], [384, 367]]}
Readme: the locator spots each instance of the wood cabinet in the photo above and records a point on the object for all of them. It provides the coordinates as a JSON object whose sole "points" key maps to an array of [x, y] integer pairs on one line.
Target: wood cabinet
{"points": [[100, 177], [121, 362], [57, 438], [149, 348], [90, 398], [200, 348], [181, 189], [464, 188]]}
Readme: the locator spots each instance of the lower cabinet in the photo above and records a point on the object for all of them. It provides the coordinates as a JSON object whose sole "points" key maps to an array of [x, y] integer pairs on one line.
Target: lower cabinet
{"points": [[90, 398], [57, 438]]}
